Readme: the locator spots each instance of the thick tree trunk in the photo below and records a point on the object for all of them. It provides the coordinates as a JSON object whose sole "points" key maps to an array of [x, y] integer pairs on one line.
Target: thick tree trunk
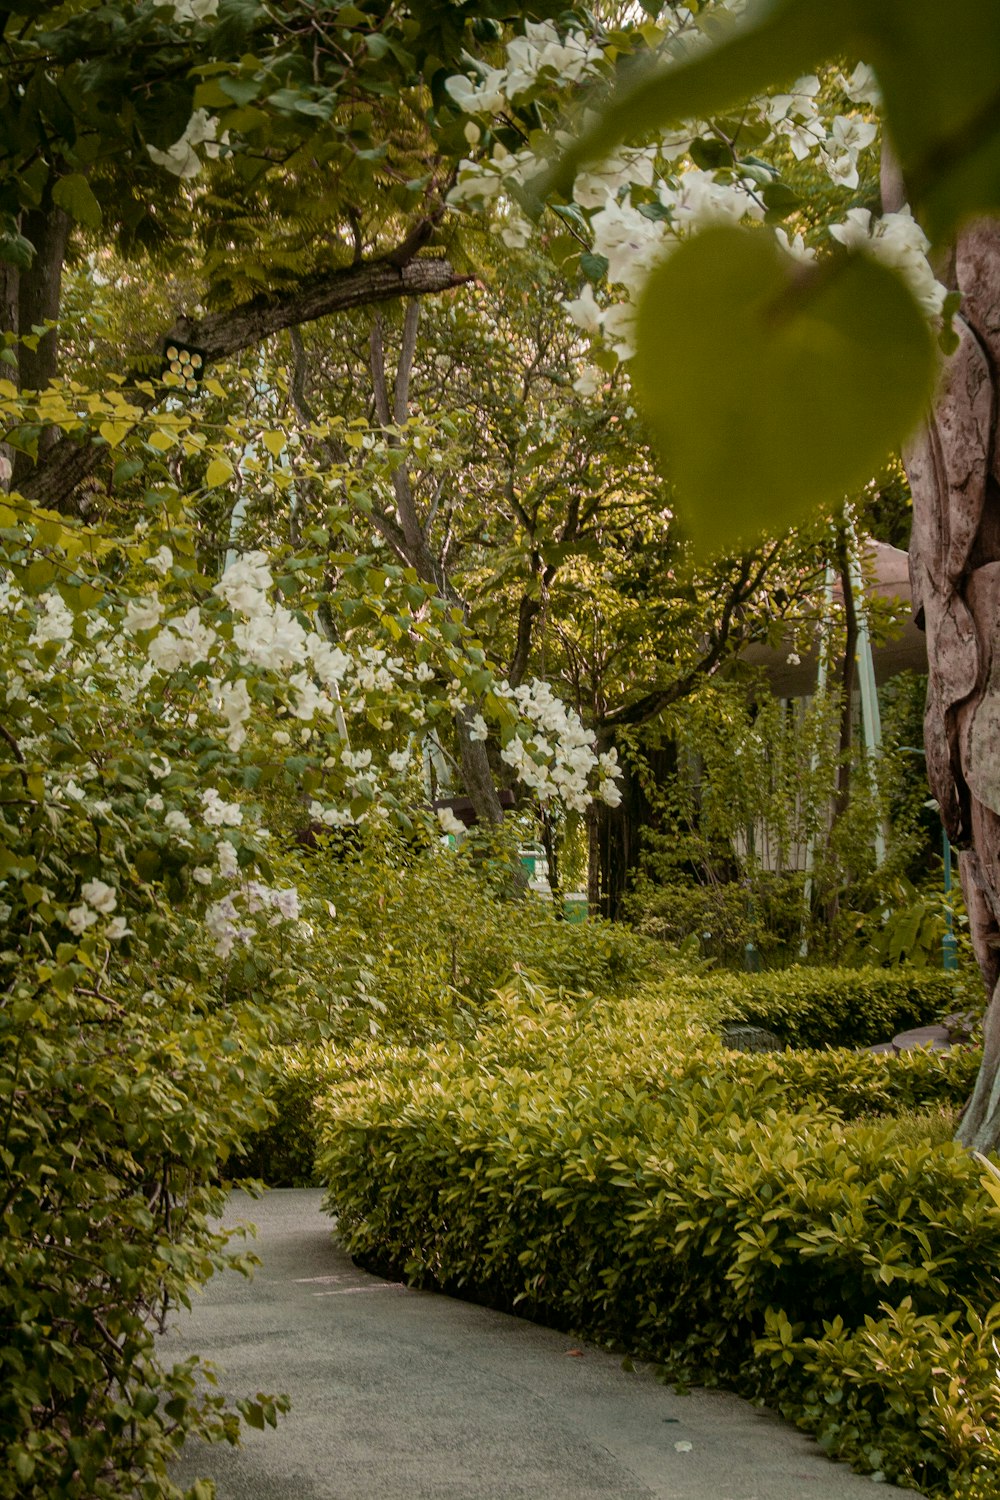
{"points": [[954, 470], [40, 293]]}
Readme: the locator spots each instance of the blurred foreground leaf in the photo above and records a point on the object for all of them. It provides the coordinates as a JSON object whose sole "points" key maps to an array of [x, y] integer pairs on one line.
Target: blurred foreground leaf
{"points": [[771, 387]]}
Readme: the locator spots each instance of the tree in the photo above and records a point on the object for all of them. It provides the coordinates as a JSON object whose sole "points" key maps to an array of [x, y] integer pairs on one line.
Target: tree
{"points": [[734, 340]]}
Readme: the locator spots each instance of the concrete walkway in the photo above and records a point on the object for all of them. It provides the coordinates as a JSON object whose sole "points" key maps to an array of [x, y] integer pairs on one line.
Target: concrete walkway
{"points": [[406, 1395]]}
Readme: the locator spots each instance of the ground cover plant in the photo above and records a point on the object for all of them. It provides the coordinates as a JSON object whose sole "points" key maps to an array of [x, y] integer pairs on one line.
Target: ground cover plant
{"points": [[797, 1225]]}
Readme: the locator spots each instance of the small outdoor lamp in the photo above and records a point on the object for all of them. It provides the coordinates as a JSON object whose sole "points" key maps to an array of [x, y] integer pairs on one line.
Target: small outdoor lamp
{"points": [[183, 365]]}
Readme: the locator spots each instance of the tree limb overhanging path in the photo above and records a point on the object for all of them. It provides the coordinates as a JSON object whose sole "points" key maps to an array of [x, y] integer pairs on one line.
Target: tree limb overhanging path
{"points": [[406, 1395], [401, 273]]}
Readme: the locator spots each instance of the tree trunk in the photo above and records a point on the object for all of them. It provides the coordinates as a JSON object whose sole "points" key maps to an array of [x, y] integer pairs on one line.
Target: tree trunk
{"points": [[953, 466]]}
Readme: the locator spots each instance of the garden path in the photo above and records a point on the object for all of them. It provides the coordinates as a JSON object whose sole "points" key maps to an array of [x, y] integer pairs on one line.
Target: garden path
{"points": [[406, 1395]]}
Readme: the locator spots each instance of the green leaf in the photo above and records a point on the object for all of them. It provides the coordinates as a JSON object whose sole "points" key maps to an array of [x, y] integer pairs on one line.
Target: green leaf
{"points": [[74, 194], [594, 267], [219, 472], [789, 39], [941, 88], [773, 388]]}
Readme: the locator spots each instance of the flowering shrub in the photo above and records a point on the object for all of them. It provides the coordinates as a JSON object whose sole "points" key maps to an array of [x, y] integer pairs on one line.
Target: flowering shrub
{"points": [[164, 734]]}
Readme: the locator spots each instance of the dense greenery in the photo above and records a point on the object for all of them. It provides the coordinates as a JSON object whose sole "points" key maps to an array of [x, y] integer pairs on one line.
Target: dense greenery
{"points": [[603, 1166]]}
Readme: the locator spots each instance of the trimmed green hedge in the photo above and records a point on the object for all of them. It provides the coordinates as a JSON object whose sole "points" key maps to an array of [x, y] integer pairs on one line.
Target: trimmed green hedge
{"points": [[835, 1007], [718, 1232], [647, 1041]]}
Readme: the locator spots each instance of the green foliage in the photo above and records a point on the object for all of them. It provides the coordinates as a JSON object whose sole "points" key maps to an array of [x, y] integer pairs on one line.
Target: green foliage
{"points": [[709, 1222], [813, 1007], [748, 364], [120, 1101], [421, 937]]}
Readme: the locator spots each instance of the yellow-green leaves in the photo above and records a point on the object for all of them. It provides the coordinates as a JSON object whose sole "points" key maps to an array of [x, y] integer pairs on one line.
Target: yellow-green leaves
{"points": [[219, 472], [73, 193], [772, 387]]}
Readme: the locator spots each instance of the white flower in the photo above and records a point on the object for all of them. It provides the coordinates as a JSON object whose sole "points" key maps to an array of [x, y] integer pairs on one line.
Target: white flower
{"points": [[449, 822], [103, 898], [399, 760], [862, 86], [245, 583], [286, 903], [272, 639], [793, 659], [181, 158], [117, 928], [202, 874], [584, 310], [796, 248], [478, 729], [177, 823], [852, 134], [842, 170], [356, 760], [79, 918], [234, 708], [589, 381], [229, 865], [482, 97], [308, 697], [159, 767], [194, 10], [143, 613], [183, 641], [154, 804], [281, 738], [218, 814], [220, 919], [55, 623], [161, 562], [609, 793]]}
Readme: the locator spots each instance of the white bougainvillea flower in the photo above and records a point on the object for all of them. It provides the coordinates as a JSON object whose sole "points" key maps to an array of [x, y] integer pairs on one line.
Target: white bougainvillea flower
{"points": [[449, 822], [102, 897], [143, 613], [79, 918]]}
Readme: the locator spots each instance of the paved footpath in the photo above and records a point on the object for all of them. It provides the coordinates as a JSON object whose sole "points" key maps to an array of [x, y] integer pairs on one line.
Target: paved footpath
{"points": [[407, 1395]]}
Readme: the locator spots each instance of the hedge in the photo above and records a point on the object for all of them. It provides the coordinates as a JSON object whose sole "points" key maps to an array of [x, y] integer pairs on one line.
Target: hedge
{"points": [[715, 1231], [647, 1040], [809, 1007]]}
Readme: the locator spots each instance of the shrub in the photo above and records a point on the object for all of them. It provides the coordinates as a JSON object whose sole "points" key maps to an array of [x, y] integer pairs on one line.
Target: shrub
{"points": [[834, 1007], [711, 1223], [116, 1117]]}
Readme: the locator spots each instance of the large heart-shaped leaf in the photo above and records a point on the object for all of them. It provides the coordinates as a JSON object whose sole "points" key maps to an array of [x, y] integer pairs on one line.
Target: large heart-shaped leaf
{"points": [[774, 388]]}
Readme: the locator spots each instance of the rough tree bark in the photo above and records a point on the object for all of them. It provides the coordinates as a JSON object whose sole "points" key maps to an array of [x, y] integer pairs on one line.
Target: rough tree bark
{"points": [[954, 470]]}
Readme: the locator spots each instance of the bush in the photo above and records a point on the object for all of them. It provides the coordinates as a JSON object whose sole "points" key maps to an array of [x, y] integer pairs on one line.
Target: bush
{"points": [[116, 1119], [709, 1224], [835, 1007]]}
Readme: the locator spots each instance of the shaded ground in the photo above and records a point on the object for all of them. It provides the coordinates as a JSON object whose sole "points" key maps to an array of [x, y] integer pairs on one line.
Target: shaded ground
{"points": [[406, 1395]]}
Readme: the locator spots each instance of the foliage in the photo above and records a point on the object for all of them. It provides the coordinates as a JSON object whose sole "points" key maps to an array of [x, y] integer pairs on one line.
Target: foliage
{"points": [[814, 1007], [124, 1089], [938, 104], [710, 1224]]}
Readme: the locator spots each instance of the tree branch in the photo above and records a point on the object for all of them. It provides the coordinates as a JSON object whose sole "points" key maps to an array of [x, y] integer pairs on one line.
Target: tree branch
{"points": [[223, 334]]}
